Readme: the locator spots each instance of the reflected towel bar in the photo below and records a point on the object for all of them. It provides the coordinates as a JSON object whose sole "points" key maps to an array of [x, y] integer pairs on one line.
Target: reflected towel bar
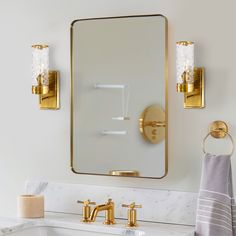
{"points": [[109, 86], [113, 132]]}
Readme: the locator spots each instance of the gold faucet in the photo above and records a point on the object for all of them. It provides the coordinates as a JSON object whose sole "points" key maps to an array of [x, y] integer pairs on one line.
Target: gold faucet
{"points": [[108, 207]]}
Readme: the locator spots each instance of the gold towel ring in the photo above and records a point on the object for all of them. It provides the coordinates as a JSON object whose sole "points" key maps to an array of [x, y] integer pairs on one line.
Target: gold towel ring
{"points": [[218, 133]]}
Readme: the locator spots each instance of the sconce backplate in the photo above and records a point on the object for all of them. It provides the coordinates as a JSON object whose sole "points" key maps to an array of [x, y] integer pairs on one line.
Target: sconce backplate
{"points": [[196, 98], [51, 100]]}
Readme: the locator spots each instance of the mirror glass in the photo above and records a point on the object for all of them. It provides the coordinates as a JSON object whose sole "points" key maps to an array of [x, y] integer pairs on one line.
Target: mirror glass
{"points": [[119, 96]]}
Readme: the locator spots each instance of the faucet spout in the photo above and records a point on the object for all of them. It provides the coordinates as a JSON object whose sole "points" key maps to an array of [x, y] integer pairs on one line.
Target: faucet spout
{"points": [[109, 212]]}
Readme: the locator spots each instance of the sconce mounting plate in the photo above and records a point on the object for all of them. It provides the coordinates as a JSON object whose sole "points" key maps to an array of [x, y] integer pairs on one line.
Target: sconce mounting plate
{"points": [[51, 100], [196, 98]]}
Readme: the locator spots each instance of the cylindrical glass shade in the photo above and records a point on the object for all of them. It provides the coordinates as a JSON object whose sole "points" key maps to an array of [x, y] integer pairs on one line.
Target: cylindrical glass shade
{"points": [[40, 65], [184, 62]]}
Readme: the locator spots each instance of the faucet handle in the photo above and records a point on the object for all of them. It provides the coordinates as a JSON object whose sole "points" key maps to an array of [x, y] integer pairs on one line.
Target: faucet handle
{"points": [[86, 209], [132, 205], [86, 202], [109, 200], [132, 214]]}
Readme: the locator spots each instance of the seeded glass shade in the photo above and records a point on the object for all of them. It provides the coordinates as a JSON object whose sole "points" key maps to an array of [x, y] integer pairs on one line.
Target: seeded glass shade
{"points": [[40, 65], [184, 62]]}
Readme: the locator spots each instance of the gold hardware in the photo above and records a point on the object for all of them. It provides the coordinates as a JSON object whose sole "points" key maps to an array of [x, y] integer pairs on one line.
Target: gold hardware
{"points": [[40, 46], [40, 89], [132, 214], [152, 124], [48, 95], [86, 209], [196, 98], [193, 92], [108, 207], [218, 129], [185, 87], [185, 43], [128, 173], [192, 82]]}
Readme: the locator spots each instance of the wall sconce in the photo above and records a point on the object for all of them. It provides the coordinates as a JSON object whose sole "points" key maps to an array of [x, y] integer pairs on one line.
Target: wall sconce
{"points": [[190, 79], [45, 82]]}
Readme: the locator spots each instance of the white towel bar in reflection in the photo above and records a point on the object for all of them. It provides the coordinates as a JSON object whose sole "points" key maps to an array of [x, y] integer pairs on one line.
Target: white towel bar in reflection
{"points": [[109, 86], [113, 132], [120, 118], [124, 98]]}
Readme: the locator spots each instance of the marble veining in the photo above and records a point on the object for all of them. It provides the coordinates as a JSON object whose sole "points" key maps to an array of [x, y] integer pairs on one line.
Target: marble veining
{"points": [[158, 205], [62, 221]]}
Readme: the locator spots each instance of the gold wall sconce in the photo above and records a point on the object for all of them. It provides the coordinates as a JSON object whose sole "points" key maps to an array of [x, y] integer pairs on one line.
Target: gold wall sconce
{"points": [[45, 82], [190, 79]]}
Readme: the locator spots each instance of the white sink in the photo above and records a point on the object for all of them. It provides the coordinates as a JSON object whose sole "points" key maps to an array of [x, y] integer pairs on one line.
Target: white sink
{"points": [[56, 231], [70, 225]]}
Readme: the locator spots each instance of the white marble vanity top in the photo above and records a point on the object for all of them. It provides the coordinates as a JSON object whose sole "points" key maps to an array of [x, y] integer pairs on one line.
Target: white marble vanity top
{"points": [[68, 221], [158, 205]]}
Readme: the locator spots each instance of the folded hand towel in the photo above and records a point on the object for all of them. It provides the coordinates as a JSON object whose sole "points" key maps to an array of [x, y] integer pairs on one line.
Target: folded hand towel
{"points": [[216, 210]]}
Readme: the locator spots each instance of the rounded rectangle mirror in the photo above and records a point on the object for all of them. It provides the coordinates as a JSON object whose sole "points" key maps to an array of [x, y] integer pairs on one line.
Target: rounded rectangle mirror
{"points": [[119, 99]]}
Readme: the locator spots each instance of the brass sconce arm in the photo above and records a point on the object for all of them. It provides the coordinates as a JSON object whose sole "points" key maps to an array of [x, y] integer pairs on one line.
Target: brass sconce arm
{"points": [[40, 89], [185, 86]]}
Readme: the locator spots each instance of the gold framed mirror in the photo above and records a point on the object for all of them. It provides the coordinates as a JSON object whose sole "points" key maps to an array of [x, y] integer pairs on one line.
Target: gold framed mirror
{"points": [[118, 70]]}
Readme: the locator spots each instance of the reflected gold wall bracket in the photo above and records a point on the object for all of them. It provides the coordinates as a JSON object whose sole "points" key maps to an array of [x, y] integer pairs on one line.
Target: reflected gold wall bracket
{"points": [[127, 173], [152, 124]]}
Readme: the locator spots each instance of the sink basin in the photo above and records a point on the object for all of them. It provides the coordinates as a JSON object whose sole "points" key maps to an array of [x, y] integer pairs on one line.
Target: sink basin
{"points": [[70, 225], [56, 231]]}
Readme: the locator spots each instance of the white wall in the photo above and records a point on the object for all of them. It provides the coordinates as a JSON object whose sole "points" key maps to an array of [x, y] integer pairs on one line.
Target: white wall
{"points": [[34, 144]]}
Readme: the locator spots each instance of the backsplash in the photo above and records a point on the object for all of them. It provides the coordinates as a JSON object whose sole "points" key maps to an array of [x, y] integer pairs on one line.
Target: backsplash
{"points": [[157, 205]]}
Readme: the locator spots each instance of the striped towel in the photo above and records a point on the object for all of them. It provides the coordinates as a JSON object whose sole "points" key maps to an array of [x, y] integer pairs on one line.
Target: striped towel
{"points": [[216, 211]]}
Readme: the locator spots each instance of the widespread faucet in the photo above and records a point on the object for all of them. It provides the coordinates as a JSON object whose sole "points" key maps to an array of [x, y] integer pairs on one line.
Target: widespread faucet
{"points": [[108, 207]]}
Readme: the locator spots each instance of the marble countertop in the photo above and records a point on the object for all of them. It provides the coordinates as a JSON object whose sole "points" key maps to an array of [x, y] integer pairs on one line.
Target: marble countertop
{"points": [[9, 225]]}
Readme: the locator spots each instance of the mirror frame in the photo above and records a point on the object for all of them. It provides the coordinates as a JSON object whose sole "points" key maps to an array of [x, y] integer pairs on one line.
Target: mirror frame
{"points": [[72, 94]]}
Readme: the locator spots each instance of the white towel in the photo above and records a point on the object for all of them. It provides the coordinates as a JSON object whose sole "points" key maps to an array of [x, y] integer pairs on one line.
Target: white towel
{"points": [[216, 211]]}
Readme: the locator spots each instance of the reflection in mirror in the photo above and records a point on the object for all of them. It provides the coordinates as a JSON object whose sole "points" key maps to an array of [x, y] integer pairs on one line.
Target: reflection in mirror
{"points": [[118, 96], [152, 124]]}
